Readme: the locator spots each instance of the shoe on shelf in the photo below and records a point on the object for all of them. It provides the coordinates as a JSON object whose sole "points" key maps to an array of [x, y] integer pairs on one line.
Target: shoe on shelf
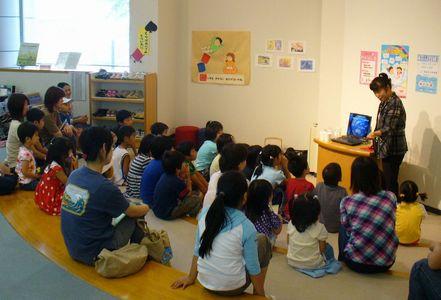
{"points": [[139, 115]]}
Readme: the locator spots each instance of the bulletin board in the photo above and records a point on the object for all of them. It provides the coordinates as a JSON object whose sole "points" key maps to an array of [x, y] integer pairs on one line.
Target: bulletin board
{"points": [[221, 57]]}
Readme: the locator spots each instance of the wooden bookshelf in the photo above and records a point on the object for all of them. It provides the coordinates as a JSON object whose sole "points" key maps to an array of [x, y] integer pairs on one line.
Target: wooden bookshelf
{"points": [[148, 104]]}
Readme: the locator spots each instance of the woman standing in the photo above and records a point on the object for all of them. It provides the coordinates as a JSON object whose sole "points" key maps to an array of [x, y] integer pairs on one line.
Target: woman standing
{"points": [[389, 135]]}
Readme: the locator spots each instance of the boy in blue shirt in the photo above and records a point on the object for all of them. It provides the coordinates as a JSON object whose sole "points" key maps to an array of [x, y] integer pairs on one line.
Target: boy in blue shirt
{"points": [[154, 169], [173, 196]]}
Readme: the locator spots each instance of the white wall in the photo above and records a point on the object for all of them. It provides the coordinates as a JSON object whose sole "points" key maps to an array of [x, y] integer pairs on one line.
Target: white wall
{"points": [[413, 23], [277, 102]]}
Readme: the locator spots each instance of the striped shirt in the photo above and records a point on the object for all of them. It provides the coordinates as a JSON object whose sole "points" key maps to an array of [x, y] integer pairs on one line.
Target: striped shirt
{"points": [[370, 224], [134, 176]]}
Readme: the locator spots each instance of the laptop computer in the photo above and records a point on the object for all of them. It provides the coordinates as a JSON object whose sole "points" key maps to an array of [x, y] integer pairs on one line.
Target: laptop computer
{"points": [[359, 127]]}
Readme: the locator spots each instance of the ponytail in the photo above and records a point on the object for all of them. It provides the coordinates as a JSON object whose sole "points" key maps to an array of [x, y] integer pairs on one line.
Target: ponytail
{"points": [[409, 192], [382, 81], [266, 158], [214, 222], [231, 189]]}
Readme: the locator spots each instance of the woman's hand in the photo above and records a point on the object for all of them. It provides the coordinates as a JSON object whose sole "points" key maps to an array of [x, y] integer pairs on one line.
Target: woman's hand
{"points": [[182, 282], [67, 130], [374, 134]]}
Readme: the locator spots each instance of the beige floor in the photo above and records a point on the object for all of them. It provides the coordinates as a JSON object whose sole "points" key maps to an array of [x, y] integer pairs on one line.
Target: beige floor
{"points": [[285, 283]]}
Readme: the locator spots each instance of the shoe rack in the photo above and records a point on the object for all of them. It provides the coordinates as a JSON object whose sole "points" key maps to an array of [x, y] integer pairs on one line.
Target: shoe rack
{"points": [[143, 103]]}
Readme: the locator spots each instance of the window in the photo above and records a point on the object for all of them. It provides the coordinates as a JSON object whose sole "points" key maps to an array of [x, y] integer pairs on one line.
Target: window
{"points": [[99, 29]]}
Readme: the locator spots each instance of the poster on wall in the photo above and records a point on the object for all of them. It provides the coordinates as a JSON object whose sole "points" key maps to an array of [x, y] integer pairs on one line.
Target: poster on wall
{"points": [[368, 66], [427, 73], [394, 62], [221, 57]]}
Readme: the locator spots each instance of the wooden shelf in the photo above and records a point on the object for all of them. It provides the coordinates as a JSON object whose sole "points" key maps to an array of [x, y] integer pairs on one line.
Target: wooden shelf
{"points": [[112, 119], [135, 81], [117, 100]]}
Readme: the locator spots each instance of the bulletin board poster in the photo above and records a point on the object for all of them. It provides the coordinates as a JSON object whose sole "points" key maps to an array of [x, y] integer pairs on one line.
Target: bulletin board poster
{"points": [[427, 73], [221, 57], [368, 66], [395, 62]]}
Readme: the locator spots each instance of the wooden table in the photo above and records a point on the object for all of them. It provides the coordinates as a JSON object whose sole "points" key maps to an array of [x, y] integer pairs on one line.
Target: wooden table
{"points": [[344, 155]]}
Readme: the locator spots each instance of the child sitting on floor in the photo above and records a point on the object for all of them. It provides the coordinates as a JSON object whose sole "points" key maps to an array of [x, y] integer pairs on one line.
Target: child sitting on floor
{"points": [[298, 166], [36, 116], [18, 106], [137, 167], [50, 190], [188, 149], [409, 214], [258, 210], [233, 158], [121, 157], [159, 129], [253, 154], [154, 170], [308, 251], [26, 167], [8, 180], [223, 140], [173, 196], [208, 151], [229, 255], [272, 166], [330, 196]]}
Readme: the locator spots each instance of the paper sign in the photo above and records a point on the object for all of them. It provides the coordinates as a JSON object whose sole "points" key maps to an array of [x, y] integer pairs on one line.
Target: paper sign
{"points": [[427, 73], [368, 66], [144, 41], [27, 56]]}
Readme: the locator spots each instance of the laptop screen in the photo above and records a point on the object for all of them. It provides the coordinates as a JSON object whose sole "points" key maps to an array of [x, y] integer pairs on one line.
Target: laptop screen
{"points": [[359, 125]]}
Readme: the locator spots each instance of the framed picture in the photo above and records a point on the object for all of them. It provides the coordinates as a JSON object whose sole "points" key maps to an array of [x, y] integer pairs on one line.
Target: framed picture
{"points": [[264, 60], [297, 47], [306, 65], [274, 45], [285, 62]]}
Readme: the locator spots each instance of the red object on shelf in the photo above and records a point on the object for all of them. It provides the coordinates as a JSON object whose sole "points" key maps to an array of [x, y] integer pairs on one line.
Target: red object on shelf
{"points": [[186, 133]]}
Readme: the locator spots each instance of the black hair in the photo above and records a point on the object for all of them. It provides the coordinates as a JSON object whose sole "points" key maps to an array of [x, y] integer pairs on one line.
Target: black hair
{"points": [[145, 145], [332, 174], [400, 68], [53, 95], [26, 130], [159, 145], [409, 192], [382, 81], [297, 165], [304, 211], [223, 140], [34, 115], [158, 128], [16, 103], [253, 154], [212, 129], [186, 147], [92, 140], [231, 157], [266, 158], [122, 114], [219, 39], [231, 189], [61, 85], [172, 161], [124, 131], [58, 151], [258, 197], [365, 176]]}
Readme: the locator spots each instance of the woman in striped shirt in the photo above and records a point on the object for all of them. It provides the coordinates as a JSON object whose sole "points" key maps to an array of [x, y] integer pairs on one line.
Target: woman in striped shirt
{"points": [[137, 167]]}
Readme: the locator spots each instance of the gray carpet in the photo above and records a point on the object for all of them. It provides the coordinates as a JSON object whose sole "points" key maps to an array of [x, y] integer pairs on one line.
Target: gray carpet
{"points": [[26, 274]]}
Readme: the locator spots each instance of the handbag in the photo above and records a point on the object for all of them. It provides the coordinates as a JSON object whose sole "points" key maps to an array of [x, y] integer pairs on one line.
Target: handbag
{"points": [[121, 262], [157, 243]]}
